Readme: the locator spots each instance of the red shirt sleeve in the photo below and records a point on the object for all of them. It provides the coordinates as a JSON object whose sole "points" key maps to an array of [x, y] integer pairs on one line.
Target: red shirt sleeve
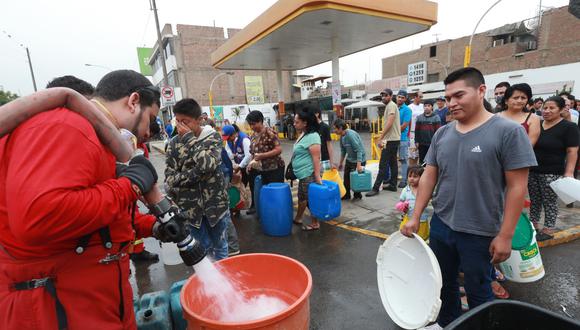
{"points": [[144, 225], [59, 184]]}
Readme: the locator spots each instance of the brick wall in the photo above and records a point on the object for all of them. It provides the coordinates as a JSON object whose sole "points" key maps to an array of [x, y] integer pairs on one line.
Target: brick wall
{"points": [[558, 43], [196, 43]]}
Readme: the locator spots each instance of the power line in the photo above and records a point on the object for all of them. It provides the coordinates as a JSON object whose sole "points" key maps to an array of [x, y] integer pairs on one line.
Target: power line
{"points": [[145, 30]]}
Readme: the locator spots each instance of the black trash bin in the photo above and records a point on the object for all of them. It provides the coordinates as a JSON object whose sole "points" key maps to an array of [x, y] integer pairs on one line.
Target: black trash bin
{"points": [[510, 314]]}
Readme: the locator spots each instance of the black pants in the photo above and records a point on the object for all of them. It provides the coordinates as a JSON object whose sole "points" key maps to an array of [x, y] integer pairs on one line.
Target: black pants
{"points": [[388, 158], [245, 177], [349, 167], [276, 175], [423, 149]]}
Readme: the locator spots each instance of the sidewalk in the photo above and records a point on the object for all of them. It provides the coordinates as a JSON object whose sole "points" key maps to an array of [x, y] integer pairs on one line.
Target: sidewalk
{"points": [[376, 216]]}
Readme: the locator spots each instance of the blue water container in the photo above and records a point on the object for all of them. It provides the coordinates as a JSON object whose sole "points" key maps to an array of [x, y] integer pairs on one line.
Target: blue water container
{"points": [[257, 191], [153, 312], [179, 322], [361, 182], [324, 200], [276, 209]]}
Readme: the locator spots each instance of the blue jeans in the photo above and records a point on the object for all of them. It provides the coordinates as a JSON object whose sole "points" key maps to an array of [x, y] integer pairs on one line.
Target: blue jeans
{"points": [[404, 158], [455, 250], [213, 239]]}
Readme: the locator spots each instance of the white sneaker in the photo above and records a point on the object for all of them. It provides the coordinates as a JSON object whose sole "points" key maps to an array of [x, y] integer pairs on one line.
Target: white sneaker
{"points": [[434, 326]]}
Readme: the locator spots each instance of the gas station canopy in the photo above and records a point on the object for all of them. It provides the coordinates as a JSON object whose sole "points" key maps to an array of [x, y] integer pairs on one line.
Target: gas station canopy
{"points": [[296, 34]]}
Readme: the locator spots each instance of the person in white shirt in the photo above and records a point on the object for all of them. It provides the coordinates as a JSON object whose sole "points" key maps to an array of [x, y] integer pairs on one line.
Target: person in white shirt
{"points": [[417, 110]]}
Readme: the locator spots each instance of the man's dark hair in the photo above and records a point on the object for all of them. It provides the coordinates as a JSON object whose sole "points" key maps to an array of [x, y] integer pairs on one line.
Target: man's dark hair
{"points": [[309, 117], [74, 83], [188, 107], [236, 128], [502, 84], [524, 88], [430, 102], [538, 99], [560, 102], [471, 76], [118, 84], [254, 117], [341, 124]]}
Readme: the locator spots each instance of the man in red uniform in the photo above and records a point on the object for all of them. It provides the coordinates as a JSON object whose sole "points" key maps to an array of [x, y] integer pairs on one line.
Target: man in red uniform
{"points": [[66, 216]]}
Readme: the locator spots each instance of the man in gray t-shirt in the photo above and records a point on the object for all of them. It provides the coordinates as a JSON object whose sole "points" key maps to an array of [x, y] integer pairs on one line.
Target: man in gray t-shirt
{"points": [[480, 165]]}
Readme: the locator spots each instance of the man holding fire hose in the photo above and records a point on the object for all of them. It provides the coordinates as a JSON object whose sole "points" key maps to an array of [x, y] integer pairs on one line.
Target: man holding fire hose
{"points": [[67, 209]]}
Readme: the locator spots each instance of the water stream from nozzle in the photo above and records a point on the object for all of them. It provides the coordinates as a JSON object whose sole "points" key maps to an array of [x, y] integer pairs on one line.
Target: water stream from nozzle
{"points": [[229, 302]]}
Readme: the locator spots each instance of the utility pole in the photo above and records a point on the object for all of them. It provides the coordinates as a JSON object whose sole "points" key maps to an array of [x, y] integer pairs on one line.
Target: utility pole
{"points": [[164, 82], [31, 71]]}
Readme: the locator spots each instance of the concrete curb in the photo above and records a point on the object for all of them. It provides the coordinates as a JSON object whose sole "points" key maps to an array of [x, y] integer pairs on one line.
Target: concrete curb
{"points": [[562, 237]]}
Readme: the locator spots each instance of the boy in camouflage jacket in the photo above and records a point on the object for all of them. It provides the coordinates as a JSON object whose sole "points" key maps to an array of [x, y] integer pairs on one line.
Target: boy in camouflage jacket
{"points": [[195, 180]]}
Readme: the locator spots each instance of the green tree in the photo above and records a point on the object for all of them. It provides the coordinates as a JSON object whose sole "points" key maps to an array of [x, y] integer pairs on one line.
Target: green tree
{"points": [[6, 96]]}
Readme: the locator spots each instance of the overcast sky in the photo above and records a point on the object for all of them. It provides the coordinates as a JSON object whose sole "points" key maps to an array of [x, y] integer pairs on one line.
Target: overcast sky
{"points": [[63, 35]]}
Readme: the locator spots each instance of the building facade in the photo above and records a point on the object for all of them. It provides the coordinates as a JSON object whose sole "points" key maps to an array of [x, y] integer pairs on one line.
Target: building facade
{"points": [[551, 41], [187, 56]]}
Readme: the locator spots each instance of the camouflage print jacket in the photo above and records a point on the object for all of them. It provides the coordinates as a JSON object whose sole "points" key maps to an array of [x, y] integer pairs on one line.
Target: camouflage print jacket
{"points": [[194, 176]]}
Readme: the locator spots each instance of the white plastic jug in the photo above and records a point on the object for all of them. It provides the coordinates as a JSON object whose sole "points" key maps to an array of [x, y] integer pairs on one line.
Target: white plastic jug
{"points": [[170, 254], [567, 189]]}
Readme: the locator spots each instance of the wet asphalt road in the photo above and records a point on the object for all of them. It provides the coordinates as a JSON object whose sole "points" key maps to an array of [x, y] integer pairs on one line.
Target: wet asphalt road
{"points": [[343, 267], [345, 293]]}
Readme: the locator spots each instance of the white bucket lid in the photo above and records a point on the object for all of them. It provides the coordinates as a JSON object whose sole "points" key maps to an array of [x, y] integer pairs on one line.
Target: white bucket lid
{"points": [[409, 281]]}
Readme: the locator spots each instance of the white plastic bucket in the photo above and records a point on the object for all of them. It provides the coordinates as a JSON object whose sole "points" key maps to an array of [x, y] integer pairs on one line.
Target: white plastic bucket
{"points": [[525, 264], [170, 254]]}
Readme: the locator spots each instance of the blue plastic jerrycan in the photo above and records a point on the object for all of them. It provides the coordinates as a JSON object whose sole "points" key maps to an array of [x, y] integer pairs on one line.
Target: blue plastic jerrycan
{"points": [[153, 312], [179, 322], [276, 209], [361, 182], [324, 200], [257, 192]]}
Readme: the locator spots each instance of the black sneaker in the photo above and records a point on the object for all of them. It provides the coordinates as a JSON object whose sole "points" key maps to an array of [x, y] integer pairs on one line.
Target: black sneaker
{"points": [[144, 256], [345, 198], [402, 184], [357, 196], [372, 193], [390, 188], [233, 252], [571, 205]]}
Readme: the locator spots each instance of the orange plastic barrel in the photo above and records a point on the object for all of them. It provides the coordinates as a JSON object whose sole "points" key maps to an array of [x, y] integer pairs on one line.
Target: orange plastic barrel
{"points": [[259, 273]]}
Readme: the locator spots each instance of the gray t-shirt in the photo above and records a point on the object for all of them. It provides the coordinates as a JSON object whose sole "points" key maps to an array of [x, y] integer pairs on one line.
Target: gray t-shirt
{"points": [[471, 186]]}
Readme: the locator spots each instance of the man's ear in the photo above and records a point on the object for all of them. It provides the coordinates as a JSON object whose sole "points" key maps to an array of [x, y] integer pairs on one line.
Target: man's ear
{"points": [[133, 101], [482, 89]]}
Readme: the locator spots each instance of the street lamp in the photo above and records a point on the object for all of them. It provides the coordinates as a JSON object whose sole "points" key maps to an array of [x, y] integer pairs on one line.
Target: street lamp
{"points": [[230, 73], [27, 55], [98, 66], [467, 58], [444, 67]]}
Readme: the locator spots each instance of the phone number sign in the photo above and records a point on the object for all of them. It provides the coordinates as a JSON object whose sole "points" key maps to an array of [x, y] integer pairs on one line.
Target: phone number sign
{"points": [[417, 73]]}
